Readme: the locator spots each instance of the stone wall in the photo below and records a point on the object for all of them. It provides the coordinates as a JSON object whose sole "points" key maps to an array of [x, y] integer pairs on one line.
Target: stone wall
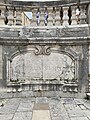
{"points": [[48, 58]]}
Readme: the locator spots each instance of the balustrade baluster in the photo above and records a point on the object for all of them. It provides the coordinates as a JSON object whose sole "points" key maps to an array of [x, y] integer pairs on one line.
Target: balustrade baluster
{"points": [[10, 17], [83, 14], [57, 17], [34, 17], [42, 17], [73, 18], [65, 16], [50, 16], [18, 16], [2, 17]]}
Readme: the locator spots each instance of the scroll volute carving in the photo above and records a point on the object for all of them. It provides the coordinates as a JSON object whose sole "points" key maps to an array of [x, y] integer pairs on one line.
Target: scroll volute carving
{"points": [[42, 50]]}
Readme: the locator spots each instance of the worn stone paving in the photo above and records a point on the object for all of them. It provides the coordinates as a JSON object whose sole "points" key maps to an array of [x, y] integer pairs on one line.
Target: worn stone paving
{"points": [[41, 108]]}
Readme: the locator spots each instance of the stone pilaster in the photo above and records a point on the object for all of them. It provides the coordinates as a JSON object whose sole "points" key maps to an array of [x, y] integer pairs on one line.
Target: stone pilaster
{"points": [[50, 16], [18, 16], [82, 14], [10, 17], [2, 17], [65, 16], [73, 18], [84, 69]]}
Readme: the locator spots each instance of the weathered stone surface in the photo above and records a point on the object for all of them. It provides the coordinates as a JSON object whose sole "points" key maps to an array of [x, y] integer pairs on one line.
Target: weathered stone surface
{"points": [[32, 67], [41, 115], [87, 113], [53, 108], [58, 62], [79, 118], [49, 3], [22, 116], [31, 33], [25, 107], [10, 106], [6, 117]]}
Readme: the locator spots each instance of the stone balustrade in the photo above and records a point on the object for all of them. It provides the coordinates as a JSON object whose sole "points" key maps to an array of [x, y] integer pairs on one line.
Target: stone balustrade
{"points": [[48, 16]]}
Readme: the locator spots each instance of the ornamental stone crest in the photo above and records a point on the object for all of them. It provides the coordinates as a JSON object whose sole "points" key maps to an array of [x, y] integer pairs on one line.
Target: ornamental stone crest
{"points": [[42, 50]]}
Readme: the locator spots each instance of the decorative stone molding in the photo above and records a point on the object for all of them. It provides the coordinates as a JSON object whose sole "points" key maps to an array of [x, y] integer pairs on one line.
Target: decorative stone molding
{"points": [[42, 50]]}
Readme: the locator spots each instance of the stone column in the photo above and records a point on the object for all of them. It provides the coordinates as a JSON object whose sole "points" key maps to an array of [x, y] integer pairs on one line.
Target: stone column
{"points": [[2, 17], [34, 19], [18, 16], [73, 18], [10, 17], [82, 14], [65, 16], [57, 17], [50, 16]]}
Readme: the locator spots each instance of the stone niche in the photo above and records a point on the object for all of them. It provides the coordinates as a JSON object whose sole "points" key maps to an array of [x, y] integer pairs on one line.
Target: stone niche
{"points": [[54, 66], [41, 64]]}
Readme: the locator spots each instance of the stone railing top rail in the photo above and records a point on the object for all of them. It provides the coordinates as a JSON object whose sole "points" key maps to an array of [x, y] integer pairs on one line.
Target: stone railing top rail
{"points": [[44, 2], [44, 32], [48, 2]]}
